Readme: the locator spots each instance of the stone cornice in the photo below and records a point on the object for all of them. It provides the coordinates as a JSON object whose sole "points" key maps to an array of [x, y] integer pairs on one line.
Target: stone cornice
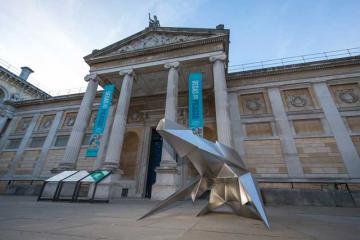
{"points": [[63, 98], [165, 48], [170, 30], [348, 61]]}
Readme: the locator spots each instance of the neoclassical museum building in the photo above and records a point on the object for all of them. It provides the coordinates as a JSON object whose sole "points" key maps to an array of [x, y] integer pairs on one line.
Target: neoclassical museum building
{"points": [[296, 126]]}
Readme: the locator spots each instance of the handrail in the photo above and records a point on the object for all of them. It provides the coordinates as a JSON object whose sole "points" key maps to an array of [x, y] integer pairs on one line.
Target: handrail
{"points": [[280, 62]]}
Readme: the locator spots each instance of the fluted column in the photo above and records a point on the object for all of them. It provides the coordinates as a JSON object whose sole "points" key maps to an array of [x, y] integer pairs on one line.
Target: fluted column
{"points": [[168, 154], [221, 100], [82, 119], [167, 178], [116, 140]]}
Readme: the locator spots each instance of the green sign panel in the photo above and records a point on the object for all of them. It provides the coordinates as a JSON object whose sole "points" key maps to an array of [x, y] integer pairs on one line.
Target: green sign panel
{"points": [[98, 175]]}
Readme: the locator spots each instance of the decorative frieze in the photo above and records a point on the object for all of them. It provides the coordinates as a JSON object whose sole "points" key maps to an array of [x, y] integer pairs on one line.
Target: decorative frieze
{"points": [[22, 125], [45, 122], [346, 95], [298, 99], [69, 120], [155, 40], [254, 103]]}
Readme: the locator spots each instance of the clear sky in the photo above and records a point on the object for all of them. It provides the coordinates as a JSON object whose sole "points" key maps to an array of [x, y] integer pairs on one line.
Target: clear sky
{"points": [[52, 36]]}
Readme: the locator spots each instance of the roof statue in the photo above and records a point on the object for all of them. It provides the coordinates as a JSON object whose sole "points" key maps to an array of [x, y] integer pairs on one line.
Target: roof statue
{"points": [[154, 22], [221, 171]]}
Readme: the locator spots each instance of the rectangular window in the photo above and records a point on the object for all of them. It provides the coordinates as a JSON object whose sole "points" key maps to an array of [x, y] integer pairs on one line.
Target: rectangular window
{"points": [[37, 142], [308, 126], [86, 139], [258, 129], [13, 143], [354, 123], [61, 141]]}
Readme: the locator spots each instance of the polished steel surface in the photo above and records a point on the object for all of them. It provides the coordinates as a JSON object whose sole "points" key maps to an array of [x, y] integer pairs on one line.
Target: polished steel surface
{"points": [[221, 171]]}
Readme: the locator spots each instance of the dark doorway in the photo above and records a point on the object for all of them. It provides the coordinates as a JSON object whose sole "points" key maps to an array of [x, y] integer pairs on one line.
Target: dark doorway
{"points": [[154, 161]]}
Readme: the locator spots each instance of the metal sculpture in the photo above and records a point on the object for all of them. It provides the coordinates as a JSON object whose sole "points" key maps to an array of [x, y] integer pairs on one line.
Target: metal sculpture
{"points": [[221, 171]]}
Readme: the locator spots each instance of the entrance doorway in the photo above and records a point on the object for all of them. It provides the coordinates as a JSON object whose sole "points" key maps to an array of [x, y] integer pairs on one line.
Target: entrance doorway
{"points": [[154, 161]]}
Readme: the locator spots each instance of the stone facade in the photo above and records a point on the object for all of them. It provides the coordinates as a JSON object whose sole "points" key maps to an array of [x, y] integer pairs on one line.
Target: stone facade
{"points": [[292, 125]]}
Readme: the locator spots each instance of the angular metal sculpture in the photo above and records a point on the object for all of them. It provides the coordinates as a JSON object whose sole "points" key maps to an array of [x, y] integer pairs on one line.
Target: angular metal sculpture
{"points": [[221, 171]]}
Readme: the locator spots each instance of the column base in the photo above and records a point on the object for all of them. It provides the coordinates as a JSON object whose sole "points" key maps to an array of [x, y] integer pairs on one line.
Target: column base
{"points": [[113, 167], [63, 167], [113, 187], [166, 182]]}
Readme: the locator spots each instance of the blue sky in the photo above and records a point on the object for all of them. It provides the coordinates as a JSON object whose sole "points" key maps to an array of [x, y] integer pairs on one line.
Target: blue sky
{"points": [[52, 36]]}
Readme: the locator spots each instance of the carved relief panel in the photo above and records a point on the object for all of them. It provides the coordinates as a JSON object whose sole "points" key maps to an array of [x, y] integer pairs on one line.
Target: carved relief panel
{"points": [[254, 103], [155, 40], [346, 95], [298, 99], [46, 122], [69, 120], [135, 114], [23, 124]]}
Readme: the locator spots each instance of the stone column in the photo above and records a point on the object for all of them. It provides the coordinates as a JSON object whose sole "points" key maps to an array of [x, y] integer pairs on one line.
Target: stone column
{"points": [[116, 140], [168, 154], [221, 100], [144, 162], [290, 153], [343, 140], [82, 119], [166, 173], [105, 139]]}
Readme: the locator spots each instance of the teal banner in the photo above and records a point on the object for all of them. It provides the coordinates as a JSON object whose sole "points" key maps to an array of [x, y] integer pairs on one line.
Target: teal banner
{"points": [[100, 120], [196, 121]]}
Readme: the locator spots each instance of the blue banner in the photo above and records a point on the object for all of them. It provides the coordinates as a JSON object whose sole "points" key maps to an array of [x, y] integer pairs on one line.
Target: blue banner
{"points": [[196, 121], [100, 121]]}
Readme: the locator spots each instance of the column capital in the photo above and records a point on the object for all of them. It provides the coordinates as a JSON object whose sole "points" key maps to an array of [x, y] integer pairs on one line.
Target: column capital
{"points": [[92, 77], [220, 57], [171, 65], [129, 71]]}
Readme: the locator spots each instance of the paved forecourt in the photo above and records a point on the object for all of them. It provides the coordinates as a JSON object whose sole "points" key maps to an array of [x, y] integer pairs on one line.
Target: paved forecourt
{"points": [[24, 218]]}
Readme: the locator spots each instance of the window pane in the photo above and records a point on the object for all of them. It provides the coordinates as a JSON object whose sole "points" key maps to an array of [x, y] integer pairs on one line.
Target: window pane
{"points": [[37, 142], [61, 141], [86, 139], [13, 143]]}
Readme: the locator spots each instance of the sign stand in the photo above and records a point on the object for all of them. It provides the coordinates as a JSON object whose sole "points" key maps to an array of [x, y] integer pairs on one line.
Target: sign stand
{"points": [[67, 186]]}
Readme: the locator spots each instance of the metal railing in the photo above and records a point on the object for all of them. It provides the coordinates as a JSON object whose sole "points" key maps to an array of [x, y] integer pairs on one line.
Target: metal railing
{"points": [[280, 62]]}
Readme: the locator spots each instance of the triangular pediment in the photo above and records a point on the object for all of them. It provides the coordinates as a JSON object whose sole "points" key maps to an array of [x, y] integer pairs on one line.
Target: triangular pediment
{"points": [[152, 38]]}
